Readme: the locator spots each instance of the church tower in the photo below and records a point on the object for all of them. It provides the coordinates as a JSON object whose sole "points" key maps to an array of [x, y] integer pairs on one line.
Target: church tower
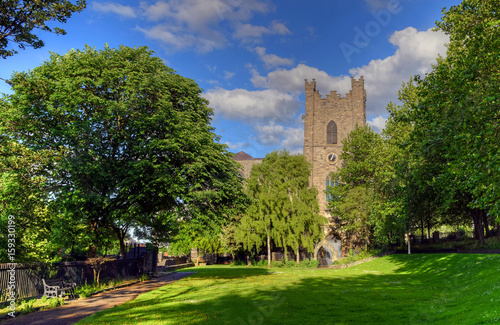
{"points": [[327, 122]]}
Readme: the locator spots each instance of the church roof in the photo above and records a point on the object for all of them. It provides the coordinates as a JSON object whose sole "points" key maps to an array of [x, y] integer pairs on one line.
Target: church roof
{"points": [[242, 156]]}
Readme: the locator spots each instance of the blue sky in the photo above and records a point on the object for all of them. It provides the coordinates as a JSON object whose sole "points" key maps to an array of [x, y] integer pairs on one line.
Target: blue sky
{"points": [[251, 56]]}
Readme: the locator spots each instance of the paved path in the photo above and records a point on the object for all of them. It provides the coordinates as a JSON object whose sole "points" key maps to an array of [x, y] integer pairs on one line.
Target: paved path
{"points": [[79, 309]]}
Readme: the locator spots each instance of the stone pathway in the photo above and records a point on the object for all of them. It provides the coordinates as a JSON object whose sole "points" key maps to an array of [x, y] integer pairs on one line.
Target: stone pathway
{"points": [[79, 309]]}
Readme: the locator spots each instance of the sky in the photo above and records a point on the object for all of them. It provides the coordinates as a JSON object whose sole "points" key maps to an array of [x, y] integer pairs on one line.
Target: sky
{"points": [[251, 57]]}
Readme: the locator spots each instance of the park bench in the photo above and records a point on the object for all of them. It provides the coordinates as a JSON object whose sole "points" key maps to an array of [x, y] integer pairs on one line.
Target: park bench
{"points": [[58, 288]]}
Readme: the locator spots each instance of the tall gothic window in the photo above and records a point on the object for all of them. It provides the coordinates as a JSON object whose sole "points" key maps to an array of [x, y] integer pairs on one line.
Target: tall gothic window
{"points": [[331, 133]]}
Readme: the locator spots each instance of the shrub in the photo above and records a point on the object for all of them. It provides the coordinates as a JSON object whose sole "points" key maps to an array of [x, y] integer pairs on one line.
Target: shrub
{"points": [[116, 282], [277, 263], [85, 290], [314, 264], [53, 303], [261, 263], [291, 264], [305, 263], [27, 306], [237, 263]]}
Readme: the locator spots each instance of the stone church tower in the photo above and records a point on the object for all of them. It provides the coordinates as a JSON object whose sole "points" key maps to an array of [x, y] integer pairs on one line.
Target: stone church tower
{"points": [[327, 122]]}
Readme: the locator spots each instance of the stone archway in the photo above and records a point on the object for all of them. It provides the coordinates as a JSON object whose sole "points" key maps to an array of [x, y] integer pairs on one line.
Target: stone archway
{"points": [[328, 249]]}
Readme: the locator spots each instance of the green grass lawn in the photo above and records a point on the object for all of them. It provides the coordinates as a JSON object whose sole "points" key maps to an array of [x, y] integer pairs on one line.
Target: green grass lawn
{"points": [[396, 289]]}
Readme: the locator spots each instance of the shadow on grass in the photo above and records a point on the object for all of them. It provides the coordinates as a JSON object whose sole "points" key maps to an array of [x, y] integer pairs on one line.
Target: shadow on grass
{"points": [[256, 296]]}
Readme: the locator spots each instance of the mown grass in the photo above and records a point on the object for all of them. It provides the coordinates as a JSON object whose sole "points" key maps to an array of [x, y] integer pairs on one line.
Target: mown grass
{"points": [[396, 289]]}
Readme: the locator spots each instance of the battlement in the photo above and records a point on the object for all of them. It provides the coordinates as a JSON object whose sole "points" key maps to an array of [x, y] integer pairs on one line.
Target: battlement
{"points": [[357, 87]]}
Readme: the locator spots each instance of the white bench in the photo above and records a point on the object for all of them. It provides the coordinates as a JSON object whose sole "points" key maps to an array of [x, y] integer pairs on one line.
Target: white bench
{"points": [[58, 288]]}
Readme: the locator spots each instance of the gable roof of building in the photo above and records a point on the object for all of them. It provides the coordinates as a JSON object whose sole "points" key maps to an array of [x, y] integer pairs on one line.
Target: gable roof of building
{"points": [[242, 156]]}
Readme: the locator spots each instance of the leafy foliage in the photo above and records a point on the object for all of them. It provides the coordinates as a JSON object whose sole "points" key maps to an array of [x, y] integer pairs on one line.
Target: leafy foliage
{"points": [[284, 209], [354, 194], [134, 140], [18, 19]]}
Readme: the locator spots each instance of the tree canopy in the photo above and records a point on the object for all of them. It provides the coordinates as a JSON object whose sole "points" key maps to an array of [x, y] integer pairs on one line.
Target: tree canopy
{"points": [[133, 141], [18, 19]]}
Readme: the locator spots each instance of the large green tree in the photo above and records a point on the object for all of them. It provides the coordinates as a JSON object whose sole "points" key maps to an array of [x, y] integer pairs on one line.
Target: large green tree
{"points": [[135, 140], [354, 190], [457, 120], [284, 208], [19, 19]]}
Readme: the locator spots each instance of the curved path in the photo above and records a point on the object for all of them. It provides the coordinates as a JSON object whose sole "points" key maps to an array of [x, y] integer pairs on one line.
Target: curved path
{"points": [[79, 309]]}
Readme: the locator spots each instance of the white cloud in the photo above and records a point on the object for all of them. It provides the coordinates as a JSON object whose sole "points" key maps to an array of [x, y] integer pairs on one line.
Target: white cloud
{"points": [[237, 146], [181, 24], [177, 38], [292, 80], [415, 54], [257, 80], [383, 4], [377, 124], [228, 75], [272, 60], [249, 106], [107, 7], [287, 137], [252, 33]]}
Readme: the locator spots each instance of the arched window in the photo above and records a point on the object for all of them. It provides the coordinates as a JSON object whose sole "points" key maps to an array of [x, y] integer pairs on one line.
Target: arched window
{"points": [[331, 133]]}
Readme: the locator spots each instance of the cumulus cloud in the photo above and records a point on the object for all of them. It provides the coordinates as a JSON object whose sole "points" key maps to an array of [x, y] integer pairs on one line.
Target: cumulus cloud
{"points": [[228, 75], [238, 146], [177, 39], [251, 106], [253, 33], [116, 8], [272, 60], [416, 52], [205, 25], [287, 137], [377, 124]]}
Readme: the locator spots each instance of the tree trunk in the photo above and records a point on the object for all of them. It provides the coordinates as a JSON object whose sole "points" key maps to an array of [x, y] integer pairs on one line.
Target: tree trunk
{"points": [[423, 229], [92, 252], [298, 254], [121, 239], [286, 254], [268, 251], [478, 225], [486, 226]]}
